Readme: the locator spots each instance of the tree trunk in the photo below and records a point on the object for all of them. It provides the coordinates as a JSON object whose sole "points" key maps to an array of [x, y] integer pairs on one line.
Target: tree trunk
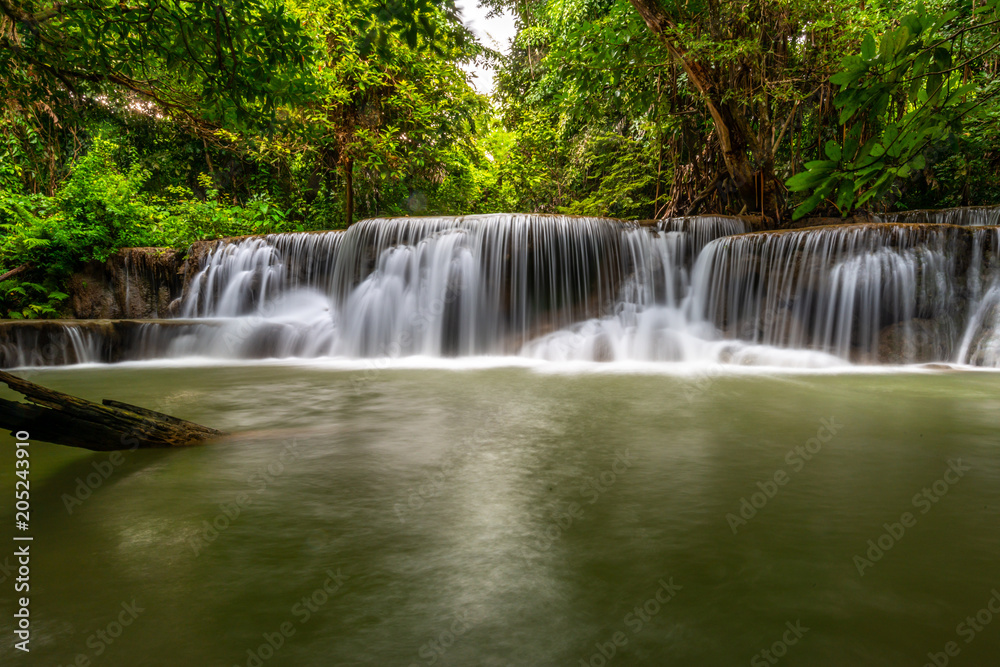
{"points": [[735, 138], [349, 191]]}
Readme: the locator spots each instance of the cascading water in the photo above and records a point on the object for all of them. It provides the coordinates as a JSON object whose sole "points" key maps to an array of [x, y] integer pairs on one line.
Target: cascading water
{"points": [[980, 344], [651, 319], [968, 216], [833, 289], [239, 278], [699, 231], [396, 287], [585, 289]]}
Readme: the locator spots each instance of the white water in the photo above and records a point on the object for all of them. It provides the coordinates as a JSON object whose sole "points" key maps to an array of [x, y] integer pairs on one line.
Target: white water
{"points": [[969, 216], [561, 289]]}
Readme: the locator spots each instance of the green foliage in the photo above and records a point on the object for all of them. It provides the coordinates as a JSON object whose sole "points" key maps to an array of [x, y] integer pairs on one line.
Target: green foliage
{"points": [[584, 113], [414, 21], [100, 208], [26, 240], [634, 120], [162, 123], [902, 97], [962, 172], [400, 120], [183, 218], [97, 210], [522, 172], [230, 62], [616, 172]]}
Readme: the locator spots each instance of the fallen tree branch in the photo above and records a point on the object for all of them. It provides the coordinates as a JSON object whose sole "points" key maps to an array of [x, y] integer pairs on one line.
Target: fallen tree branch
{"points": [[62, 419], [14, 272]]}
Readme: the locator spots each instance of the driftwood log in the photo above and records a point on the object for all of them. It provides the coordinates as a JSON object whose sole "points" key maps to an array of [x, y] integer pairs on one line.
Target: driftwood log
{"points": [[52, 416]]}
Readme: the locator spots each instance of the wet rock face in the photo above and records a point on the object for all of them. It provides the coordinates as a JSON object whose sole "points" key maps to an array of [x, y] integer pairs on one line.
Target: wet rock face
{"points": [[49, 342], [90, 293], [915, 341], [133, 283]]}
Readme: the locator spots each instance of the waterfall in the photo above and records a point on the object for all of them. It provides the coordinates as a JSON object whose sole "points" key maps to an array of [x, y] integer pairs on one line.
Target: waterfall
{"points": [[49, 344], [967, 216], [832, 289], [569, 289], [980, 343], [471, 285], [700, 230], [650, 319], [396, 287], [239, 278]]}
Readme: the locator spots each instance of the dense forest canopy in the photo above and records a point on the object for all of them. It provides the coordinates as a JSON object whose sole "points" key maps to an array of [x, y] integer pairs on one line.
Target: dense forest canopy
{"points": [[159, 122]]}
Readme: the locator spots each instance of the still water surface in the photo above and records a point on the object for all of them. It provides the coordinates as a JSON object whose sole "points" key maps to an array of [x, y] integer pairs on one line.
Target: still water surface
{"points": [[508, 516]]}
